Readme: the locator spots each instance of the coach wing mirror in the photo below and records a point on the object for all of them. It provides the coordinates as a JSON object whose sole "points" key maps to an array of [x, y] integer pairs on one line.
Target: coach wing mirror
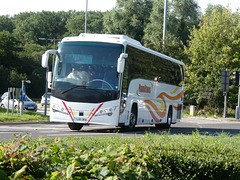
{"points": [[121, 62], [45, 57]]}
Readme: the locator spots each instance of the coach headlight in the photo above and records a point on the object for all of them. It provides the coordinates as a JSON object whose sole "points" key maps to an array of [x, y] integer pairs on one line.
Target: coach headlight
{"points": [[57, 108], [107, 111]]}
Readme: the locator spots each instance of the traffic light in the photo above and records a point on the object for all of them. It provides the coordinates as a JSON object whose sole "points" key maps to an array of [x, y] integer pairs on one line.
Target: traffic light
{"points": [[236, 77]]}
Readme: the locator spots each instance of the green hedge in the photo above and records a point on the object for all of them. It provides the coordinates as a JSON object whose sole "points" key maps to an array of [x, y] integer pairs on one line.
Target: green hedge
{"points": [[146, 157]]}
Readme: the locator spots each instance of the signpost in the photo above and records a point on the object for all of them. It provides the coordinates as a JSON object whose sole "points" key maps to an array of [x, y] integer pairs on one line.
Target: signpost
{"points": [[225, 89], [13, 93]]}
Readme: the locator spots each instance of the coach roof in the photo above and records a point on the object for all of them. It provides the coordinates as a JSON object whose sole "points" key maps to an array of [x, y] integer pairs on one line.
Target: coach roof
{"points": [[116, 39]]}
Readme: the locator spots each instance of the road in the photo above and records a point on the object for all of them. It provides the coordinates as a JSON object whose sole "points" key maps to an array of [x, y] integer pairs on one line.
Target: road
{"points": [[186, 126]]}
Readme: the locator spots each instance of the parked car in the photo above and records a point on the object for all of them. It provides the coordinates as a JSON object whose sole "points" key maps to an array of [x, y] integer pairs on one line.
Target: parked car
{"points": [[43, 99], [4, 103], [28, 104], [4, 95]]}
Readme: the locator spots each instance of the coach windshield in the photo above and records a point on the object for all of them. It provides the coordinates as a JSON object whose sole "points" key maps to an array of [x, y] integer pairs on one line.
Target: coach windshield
{"points": [[86, 68]]}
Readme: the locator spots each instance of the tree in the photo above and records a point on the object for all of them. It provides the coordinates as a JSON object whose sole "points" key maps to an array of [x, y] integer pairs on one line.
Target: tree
{"points": [[187, 14], [10, 62], [30, 58], [155, 26], [15, 79], [45, 24], [8, 50], [76, 23], [50, 25], [172, 46], [6, 24], [129, 17], [4, 79], [211, 7], [22, 25], [212, 48], [181, 16]]}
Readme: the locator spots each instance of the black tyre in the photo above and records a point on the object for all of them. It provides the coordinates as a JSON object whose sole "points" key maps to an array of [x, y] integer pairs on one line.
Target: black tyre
{"points": [[133, 120], [169, 120], [75, 126], [16, 107]]}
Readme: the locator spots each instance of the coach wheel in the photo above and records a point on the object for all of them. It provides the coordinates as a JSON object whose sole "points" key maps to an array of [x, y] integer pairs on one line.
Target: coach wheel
{"points": [[169, 118], [133, 117], [75, 126], [132, 121]]}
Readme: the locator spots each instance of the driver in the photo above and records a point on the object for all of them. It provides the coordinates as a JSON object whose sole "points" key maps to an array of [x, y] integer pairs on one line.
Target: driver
{"points": [[74, 74], [83, 76]]}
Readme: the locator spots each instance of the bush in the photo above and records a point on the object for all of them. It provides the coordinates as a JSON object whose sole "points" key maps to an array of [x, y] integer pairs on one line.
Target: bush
{"points": [[146, 157]]}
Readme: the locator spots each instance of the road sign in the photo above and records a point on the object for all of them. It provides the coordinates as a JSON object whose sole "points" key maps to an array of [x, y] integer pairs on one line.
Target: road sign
{"points": [[24, 93], [225, 81]]}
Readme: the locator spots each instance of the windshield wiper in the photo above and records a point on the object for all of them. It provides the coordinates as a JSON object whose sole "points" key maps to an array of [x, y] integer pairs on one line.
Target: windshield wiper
{"points": [[74, 87]]}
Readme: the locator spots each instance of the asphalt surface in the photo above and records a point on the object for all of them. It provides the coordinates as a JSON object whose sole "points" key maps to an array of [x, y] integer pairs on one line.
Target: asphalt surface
{"points": [[205, 126]]}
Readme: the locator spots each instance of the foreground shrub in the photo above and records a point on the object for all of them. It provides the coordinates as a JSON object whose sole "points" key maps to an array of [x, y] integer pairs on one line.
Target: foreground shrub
{"points": [[147, 157]]}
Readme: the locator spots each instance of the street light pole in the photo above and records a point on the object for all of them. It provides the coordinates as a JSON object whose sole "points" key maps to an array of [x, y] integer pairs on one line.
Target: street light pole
{"points": [[165, 21], [21, 103], [46, 91], [23, 95], [86, 16]]}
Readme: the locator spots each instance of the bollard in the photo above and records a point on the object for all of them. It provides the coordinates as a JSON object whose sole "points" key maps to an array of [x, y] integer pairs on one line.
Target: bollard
{"points": [[192, 110]]}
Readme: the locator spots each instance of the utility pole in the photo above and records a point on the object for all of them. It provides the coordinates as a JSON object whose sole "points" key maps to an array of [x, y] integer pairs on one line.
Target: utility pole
{"points": [[86, 16], [165, 21]]}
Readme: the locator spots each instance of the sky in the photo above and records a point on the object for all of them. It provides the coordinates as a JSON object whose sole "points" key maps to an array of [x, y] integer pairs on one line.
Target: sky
{"points": [[233, 4], [11, 7]]}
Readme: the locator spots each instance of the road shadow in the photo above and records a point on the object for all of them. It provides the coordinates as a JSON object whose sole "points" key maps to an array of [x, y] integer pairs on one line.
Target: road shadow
{"points": [[171, 131]]}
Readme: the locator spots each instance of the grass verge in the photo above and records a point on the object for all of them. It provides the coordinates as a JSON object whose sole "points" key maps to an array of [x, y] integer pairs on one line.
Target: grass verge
{"points": [[146, 157], [27, 116]]}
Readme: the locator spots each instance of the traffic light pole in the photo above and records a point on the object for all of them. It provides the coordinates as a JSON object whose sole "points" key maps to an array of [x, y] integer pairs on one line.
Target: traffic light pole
{"points": [[225, 105], [225, 89], [237, 113]]}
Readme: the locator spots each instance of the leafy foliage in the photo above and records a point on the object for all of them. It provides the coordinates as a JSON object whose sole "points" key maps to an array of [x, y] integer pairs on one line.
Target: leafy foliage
{"points": [[8, 50], [76, 23], [146, 157], [212, 48], [181, 16], [129, 18], [45, 24], [6, 24]]}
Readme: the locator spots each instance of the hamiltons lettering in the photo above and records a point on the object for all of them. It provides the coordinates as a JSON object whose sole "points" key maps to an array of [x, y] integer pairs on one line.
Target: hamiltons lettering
{"points": [[144, 89]]}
